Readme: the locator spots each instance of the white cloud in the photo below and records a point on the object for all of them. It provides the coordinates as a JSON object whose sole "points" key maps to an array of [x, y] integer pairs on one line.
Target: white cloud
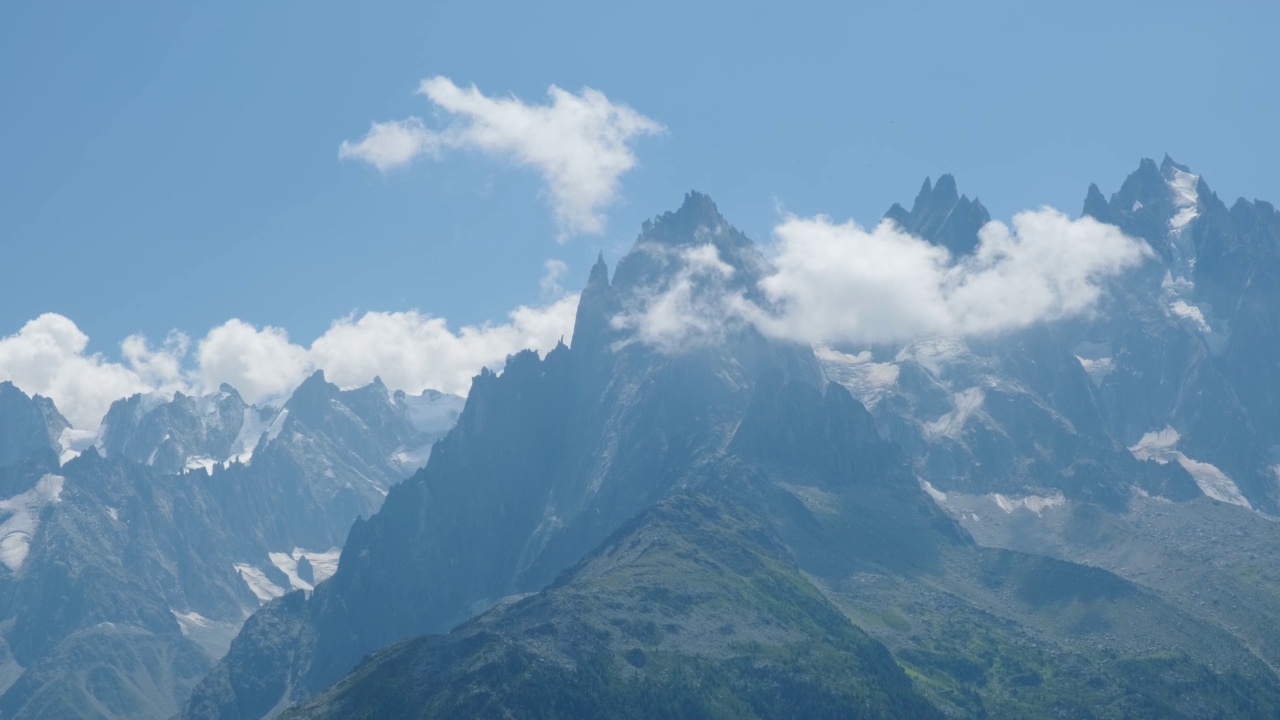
{"points": [[47, 357], [259, 363], [579, 143], [158, 369], [410, 351], [839, 283], [391, 144]]}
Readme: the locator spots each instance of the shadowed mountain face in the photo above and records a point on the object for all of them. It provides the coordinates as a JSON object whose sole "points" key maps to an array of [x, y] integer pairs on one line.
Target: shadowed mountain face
{"points": [[690, 609], [733, 597], [628, 524]]}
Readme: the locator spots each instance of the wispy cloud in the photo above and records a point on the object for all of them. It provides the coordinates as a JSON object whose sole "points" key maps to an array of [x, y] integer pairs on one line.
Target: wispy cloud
{"points": [[581, 144], [553, 272], [391, 144], [694, 306]]}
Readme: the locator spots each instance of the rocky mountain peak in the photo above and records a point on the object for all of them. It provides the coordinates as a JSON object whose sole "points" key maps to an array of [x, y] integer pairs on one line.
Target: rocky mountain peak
{"points": [[696, 222], [1169, 166], [944, 191], [599, 277], [940, 214], [29, 425], [1096, 206]]}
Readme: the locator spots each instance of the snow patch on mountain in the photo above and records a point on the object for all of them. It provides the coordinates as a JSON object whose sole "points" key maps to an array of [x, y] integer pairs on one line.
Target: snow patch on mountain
{"points": [[323, 566], [935, 353], [964, 504], [1035, 503], [23, 519], [1177, 294], [189, 621], [258, 583], [212, 635], [964, 404], [207, 407], [1161, 446], [1187, 311], [252, 429], [432, 412], [1096, 360], [1098, 369], [73, 442], [869, 381], [198, 462], [1182, 186]]}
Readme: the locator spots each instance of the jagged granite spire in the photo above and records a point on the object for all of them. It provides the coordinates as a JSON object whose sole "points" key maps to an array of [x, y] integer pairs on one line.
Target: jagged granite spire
{"points": [[595, 306], [599, 277], [1095, 205], [945, 192], [697, 213], [656, 255], [1168, 165], [942, 216]]}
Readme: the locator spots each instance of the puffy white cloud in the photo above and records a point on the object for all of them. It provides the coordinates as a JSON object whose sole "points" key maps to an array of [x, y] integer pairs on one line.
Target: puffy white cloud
{"points": [[579, 143], [840, 283], [47, 357], [410, 351], [391, 144], [260, 363], [160, 369]]}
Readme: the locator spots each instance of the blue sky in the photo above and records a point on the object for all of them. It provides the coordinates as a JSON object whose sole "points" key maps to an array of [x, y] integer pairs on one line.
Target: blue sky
{"points": [[174, 165]]}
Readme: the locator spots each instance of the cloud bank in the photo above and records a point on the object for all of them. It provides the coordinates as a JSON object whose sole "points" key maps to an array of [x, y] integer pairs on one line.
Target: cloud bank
{"points": [[410, 351], [836, 284], [581, 144]]}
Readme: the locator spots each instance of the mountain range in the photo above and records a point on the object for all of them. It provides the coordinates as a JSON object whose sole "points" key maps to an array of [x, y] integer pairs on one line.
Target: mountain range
{"points": [[1071, 520]]}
